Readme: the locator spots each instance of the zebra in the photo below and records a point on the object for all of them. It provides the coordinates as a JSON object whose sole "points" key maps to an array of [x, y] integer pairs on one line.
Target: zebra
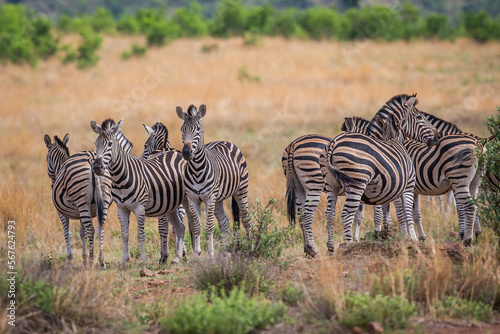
{"points": [[376, 170], [152, 187], [305, 180], [77, 193], [157, 142], [439, 169], [213, 173]]}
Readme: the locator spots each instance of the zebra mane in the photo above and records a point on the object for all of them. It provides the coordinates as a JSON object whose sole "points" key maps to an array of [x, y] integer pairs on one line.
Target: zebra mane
{"points": [[441, 124], [159, 127], [58, 142], [107, 124], [192, 111], [358, 124]]}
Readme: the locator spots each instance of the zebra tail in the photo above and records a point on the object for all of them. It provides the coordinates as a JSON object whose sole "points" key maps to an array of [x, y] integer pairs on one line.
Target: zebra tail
{"points": [[345, 180], [236, 213], [290, 189], [99, 201]]}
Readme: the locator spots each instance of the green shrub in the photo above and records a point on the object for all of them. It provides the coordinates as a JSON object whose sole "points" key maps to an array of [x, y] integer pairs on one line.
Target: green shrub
{"points": [[489, 199], [162, 32], [224, 273], [392, 312], [147, 17], [411, 23], [127, 24], [103, 21], [320, 23], [86, 52], [285, 24], [229, 19], [136, 50], [232, 313], [480, 26], [190, 21], [251, 39], [373, 22], [436, 25], [259, 19], [267, 240], [459, 308], [243, 75], [290, 295]]}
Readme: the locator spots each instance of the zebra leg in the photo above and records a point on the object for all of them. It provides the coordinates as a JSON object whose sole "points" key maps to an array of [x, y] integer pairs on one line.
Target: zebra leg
{"points": [[306, 216], [210, 204], [194, 218], [181, 211], [222, 219], [100, 236], [330, 218], [67, 235], [378, 217], [140, 215], [404, 208], [461, 219], [180, 229], [351, 205], [123, 216], [84, 244], [241, 198], [163, 231], [386, 209], [358, 220], [88, 228], [417, 217], [441, 203]]}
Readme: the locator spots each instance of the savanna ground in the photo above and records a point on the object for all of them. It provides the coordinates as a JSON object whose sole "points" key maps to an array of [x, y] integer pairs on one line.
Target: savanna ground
{"points": [[260, 98]]}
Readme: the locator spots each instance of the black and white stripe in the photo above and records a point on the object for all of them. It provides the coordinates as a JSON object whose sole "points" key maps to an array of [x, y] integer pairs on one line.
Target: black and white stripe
{"points": [[214, 173], [152, 187], [77, 193]]}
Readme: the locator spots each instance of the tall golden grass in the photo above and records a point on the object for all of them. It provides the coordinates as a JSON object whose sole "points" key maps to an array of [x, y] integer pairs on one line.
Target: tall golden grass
{"points": [[305, 87]]}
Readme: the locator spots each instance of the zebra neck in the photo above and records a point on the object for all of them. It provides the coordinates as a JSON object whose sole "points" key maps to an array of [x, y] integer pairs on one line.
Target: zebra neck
{"points": [[122, 157], [200, 160]]}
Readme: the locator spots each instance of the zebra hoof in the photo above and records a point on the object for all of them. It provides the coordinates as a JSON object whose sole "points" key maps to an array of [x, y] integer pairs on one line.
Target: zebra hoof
{"points": [[311, 252], [163, 259], [461, 234], [331, 251], [422, 238], [376, 235], [102, 265], [176, 260], [477, 234], [467, 242]]}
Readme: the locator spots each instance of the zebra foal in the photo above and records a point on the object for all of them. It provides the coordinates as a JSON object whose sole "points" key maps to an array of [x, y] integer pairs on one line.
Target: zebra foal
{"points": [[213, 173], [77, 193]]}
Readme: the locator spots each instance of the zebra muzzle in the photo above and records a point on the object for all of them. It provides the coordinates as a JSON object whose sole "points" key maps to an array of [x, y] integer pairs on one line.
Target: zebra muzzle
{"points": [[98, 166], [187, 152]]}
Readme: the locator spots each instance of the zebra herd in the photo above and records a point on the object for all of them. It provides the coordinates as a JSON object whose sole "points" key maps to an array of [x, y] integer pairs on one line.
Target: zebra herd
{"points": [[400, 154]]}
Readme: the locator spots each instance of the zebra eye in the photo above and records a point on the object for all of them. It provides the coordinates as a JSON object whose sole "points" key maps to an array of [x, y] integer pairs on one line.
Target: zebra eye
{"points": [[110, 144]]}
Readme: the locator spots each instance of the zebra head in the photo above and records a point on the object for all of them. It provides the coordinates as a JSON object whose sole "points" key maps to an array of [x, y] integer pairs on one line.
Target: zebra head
{"points": [[391, 128], [417, 127], [192, 130], [157, 141], [105, 143], [58, 153], [355, 124]]}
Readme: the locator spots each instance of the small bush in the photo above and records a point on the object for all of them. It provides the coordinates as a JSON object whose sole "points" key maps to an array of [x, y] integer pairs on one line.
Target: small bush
{"points": [[267, 240], [229, 19], [460, 308], [436, 25], [162, 32], [136, 50], [251, 39], [127, 24], [392, 312], [190, 21], [243, 75], [230, 313], [207, 48], [103, 21], [290, 295], [489, 199], [86, 53], [224, 273]]}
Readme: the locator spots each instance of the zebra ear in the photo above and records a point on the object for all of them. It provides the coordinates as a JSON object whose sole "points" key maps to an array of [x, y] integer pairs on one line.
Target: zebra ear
{"points": [[117, 127], [202, 111], [66, 139], [180, 113], [96, 127], [380, 122], [411, 101], [148, 129], [47, 141], [347, 125]]}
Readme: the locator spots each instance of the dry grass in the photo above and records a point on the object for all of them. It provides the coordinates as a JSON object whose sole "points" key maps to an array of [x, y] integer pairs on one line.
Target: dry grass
{"points": [[305, 87]]}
